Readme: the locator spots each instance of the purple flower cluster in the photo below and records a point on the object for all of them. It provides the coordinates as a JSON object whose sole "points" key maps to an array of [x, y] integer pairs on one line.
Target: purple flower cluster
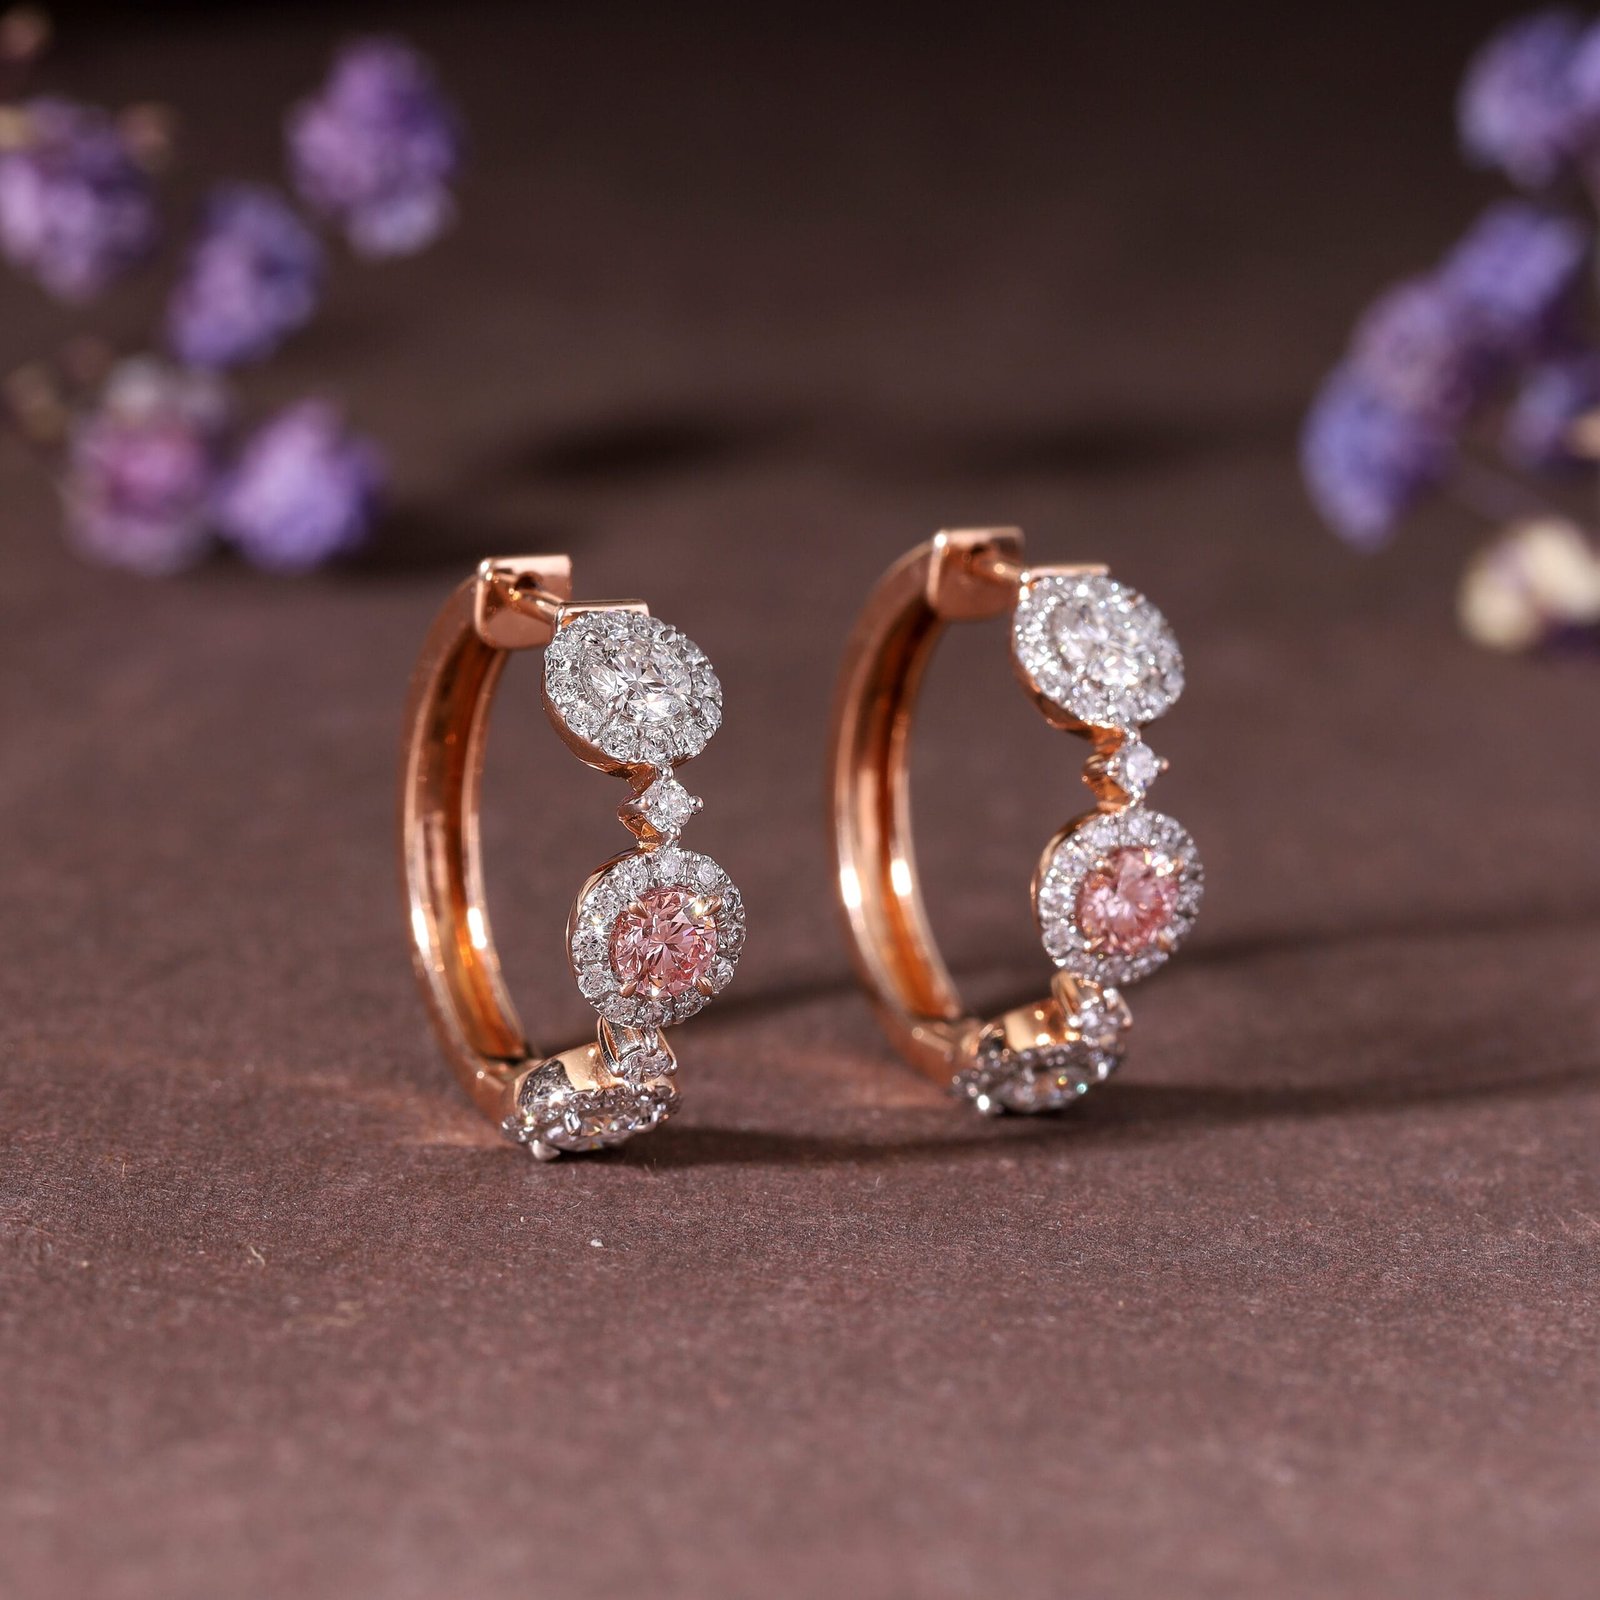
{"points": [[1367, 462], [1491, 352], [1430, 356], [151, 481], [76, 208], [156, 474], [1552, 396], [302, 491], [1530, 101], [142, 466], [377, 148], [252, 278]]}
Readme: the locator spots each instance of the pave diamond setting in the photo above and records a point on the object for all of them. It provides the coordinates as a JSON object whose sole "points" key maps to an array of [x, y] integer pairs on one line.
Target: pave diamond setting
{"points": [[554, 1117], [632, 687], [644, 1060], [1028, 1081], [1050, 1076], [1096, 649], [655, 935], [1117, 893]]}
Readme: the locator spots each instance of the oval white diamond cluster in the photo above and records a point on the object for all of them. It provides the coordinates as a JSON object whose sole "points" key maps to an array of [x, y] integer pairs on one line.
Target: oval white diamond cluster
{"points": [[1116, 892], [632, 687], [1096, 649]]}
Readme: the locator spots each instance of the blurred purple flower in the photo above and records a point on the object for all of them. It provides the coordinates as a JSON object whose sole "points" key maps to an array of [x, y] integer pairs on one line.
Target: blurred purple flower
{"points": [[1365, 462], [302, 491], [141, 468], [251, 279], [1514, 273], [1552, 397], [377, 147], [1518, 109], [1583, 77], [76, 208], [1419, 351]]}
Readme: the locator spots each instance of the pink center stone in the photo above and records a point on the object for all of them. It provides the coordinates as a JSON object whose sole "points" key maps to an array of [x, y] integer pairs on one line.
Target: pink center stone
{"points": [[1126, 902], [661, 945]]}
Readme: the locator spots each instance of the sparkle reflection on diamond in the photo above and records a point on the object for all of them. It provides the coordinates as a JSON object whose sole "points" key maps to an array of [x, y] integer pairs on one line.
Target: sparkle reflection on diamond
{"points": [[633, 686], [642, 681], [1117, 894], [665, 941], [1135, 767], [1125, 903], [1097, 649], [665, 805]]}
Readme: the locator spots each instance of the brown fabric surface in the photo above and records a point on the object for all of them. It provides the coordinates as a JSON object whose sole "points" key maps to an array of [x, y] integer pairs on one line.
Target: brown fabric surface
{"points": [[1303, 1303]]}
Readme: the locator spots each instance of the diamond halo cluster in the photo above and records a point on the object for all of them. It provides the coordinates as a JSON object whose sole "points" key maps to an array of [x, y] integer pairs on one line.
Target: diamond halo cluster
{"points": [[656, 933], [1118, 890], [1096, 649], [632, 688]]}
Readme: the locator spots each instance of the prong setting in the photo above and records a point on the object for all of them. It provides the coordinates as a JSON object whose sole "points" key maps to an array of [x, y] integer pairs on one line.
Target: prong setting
{"points": [[1117, 893], [671, 913]]}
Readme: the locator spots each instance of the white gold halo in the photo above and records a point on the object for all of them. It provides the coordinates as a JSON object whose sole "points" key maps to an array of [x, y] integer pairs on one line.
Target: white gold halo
{"points": [[1096, 648], [1089, 846], [553, 1117], [610, 893], [1046, 1078], [633, 687]]}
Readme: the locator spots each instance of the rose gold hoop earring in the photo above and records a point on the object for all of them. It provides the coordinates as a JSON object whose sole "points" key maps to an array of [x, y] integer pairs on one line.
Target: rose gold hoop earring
{"points": [[653, 934], [1116, 890]]}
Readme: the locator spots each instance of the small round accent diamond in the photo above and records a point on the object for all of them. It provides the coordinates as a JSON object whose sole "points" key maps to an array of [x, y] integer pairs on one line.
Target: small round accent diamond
{"points": [[1048, 1077], [1117, 894], [633, 687], [1134, 767], [1097, 649], [662, 809]]}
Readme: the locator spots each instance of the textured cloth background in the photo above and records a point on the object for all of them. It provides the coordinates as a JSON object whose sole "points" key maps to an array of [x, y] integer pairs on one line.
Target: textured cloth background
{"points": [[1303, 1304]]}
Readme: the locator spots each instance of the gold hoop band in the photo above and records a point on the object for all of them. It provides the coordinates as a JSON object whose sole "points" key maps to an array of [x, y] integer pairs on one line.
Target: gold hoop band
{"points": [[1041, 1055], [598, 1093]]}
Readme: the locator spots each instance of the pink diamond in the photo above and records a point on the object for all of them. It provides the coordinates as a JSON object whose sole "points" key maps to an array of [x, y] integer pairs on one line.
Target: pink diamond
{"points": [[1126, 902], [665, 941]]}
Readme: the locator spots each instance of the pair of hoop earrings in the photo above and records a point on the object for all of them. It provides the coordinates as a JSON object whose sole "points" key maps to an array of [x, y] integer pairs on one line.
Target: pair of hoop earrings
{"points": [[656, 932]]}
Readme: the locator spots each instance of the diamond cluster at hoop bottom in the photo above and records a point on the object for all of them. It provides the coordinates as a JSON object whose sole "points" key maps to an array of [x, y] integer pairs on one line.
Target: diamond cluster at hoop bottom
{"points": [[1050, 1076], [553, 1117]]}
